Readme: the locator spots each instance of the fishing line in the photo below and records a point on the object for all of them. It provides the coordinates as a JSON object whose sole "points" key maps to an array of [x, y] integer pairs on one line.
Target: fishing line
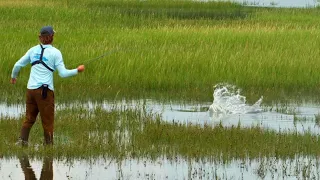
{"points": [[99, 57]]}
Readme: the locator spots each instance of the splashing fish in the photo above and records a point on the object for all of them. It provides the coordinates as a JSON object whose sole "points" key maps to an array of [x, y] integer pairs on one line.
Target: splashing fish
{"points": [[228, 100]]}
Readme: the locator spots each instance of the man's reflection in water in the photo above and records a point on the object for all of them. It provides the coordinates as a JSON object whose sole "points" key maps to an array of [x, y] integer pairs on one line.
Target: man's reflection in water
{"points": [[46, 173]]}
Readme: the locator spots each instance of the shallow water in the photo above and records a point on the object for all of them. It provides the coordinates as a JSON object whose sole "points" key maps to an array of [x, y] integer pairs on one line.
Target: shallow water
{"points": [[228, 107], [280, 3], [161, 168], [302, 121]]}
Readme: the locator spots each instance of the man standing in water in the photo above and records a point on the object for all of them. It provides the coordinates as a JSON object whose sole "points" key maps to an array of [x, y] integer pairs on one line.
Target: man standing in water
{"points": [[44, 59]]}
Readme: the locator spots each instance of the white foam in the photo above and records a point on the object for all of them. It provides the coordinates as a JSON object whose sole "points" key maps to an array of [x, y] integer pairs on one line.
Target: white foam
{"points": [[228, 100]]}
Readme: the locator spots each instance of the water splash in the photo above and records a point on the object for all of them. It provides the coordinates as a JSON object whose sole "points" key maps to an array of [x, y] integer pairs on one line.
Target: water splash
{"points": [[228, 100]]}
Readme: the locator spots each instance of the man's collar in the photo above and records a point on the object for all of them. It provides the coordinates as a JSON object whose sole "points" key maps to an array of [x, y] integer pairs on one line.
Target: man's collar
{"points": [[46, 45]]}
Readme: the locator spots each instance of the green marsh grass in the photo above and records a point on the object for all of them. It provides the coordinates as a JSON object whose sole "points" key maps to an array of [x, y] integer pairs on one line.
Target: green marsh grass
{"points": [[176, 48], [167, 49], [125, 133], [317, 119]]}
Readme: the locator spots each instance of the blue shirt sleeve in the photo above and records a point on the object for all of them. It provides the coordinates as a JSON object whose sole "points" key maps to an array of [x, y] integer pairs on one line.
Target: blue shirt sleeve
{"points": [[63, 72], [23, 61]]}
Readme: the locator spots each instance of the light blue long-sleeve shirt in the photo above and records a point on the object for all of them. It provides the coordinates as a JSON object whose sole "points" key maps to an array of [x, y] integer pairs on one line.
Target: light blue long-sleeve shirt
{"points": [[39, 74]]}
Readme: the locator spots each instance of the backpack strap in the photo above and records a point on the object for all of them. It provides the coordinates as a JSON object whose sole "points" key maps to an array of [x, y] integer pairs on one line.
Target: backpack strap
{"points": [[40, 60]]}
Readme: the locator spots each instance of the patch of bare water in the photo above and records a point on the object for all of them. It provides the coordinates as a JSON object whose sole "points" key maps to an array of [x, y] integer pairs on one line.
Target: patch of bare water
{"points": [[228, 108], [160, 168], [278, 3]]}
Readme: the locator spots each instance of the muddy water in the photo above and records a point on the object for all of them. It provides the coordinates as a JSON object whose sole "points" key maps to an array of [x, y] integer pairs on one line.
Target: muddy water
{"points": [[161, 168]]}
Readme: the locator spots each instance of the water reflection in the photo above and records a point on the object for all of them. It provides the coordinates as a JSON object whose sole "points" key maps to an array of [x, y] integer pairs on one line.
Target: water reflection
{"points": [[298, 167], [291, 117], [29, 174]]}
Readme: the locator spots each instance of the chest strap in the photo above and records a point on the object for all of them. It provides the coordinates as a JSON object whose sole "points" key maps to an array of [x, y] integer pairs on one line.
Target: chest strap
{"points": [[40, 60]]}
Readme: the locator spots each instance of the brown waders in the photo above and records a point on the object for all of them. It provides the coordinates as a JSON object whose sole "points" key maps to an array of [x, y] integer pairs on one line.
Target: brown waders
{"points": [[36, 102]]}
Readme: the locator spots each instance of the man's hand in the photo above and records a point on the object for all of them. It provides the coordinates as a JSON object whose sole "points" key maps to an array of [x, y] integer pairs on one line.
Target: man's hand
{"points": [[13, 80], [81, 68]]}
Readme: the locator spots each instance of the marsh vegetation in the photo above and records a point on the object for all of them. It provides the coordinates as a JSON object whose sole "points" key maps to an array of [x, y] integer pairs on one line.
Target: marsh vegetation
{"points": [[263, 50], [167, 50]]}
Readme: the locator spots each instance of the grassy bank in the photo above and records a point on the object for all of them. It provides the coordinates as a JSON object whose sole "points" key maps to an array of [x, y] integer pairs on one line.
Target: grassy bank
{"points": [[127, 133], [171, 47]]}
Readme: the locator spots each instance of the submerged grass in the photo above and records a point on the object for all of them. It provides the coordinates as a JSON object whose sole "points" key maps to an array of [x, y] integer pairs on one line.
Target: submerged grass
{"points": [[125, 133], [171, 47]]}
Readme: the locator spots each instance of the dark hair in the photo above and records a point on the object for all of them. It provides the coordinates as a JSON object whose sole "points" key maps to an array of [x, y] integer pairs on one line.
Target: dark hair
{"points": [[46, 39]]}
